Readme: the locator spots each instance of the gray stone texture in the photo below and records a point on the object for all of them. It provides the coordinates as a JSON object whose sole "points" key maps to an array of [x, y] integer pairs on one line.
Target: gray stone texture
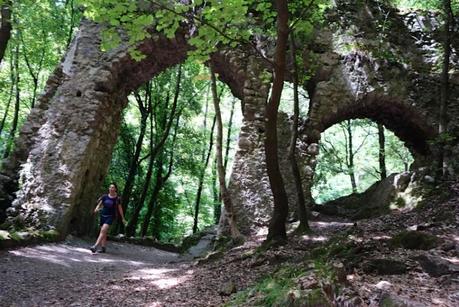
{"points": [[365, 65]]}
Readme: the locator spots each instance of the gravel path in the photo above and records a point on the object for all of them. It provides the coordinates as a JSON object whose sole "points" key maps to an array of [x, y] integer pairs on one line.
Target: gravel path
{"points": [[68, 274]]}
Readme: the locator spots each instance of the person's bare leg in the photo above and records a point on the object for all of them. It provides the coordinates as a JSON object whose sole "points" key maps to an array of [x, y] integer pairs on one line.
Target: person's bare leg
{"points": [[102, 239], [103, 243]]}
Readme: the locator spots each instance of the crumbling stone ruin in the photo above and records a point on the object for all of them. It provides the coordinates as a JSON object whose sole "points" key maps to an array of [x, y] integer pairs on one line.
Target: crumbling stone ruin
{"points": [[64, 148]]}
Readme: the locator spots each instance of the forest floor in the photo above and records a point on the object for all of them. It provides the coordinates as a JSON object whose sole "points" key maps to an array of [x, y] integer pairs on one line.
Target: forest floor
{"points": [[68, 274]]}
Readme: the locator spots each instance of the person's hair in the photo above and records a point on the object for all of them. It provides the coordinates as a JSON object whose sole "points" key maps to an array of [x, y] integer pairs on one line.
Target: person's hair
{"points": [[116, 187]]}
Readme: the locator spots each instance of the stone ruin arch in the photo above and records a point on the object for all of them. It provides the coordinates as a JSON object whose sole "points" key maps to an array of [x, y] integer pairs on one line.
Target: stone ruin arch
{"points": [[64, 148]]}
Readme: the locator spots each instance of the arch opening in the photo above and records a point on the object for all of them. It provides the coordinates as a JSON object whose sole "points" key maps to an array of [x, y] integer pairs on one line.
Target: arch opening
{"points": [[165, 210], [354, 155]]}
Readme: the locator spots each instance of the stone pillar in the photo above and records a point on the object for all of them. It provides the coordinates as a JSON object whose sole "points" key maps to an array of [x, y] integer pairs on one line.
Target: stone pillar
{"points": [[249, 185], [66, 144]]}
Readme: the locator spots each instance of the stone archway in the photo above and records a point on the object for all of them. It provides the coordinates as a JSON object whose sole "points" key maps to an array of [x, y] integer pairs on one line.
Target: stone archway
{"points": [[65, 146]]}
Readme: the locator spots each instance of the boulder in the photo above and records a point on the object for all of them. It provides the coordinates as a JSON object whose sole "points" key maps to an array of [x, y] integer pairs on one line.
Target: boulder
{"points": [[436, 265], [384, 267]]}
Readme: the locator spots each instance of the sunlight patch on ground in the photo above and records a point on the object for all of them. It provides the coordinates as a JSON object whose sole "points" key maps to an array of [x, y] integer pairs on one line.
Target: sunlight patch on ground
{"points": [[330, 224], [314, 238], [453, 260], [67, 255], [381, 237], [161, 278]]}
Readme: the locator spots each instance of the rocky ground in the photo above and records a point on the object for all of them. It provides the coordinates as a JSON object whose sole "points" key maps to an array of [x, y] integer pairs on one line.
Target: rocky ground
{"points": [[371, 268]]}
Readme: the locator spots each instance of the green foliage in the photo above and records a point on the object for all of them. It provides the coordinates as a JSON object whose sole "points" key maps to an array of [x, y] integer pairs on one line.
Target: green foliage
{"points": [[41, 31], [172, 217], [332, 172]]}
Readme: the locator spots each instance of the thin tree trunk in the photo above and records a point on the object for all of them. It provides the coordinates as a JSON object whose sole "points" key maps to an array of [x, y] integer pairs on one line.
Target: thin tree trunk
{"points": [[10, 96], [350, 162], [302, 210], [159, 182], [14, 124], [277, 230], [228, 134], [226, 197], [145, 111], [216, 193], [382, 152], [201, 178], [5, 28], [130, 230], [34, 75], [444, 91], [72, 21]]}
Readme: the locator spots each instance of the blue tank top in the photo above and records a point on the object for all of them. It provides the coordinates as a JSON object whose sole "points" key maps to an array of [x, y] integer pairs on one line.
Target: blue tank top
{"points": [[109, 205]]}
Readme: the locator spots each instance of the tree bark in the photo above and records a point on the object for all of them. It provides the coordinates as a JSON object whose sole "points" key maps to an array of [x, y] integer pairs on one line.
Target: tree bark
{"points": [[130, 230], [382, 152], [10, 96], [14, 124], [350, 160], [226, 197], [201, 178], [159, 183], [145, 111], [216, 193], [302, 210], [277, 230], [5, 28], [228, 134], [444, 90]]}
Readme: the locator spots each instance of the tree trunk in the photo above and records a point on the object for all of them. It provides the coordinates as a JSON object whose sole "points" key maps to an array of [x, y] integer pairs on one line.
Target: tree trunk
{"points": [[228, 134], [130, 230], [5, 28], [277, 229], [10, 96], [201, 178], [133, 166], [350, 162], [72, 21], [382, 152], [159, 183], [14, 124], [226, 197], [216, 193], [444, 91], [302, 210]]}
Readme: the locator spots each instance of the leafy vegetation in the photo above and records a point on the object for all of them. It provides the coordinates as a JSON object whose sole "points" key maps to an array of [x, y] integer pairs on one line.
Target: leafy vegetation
{"points": [[333, 173]]}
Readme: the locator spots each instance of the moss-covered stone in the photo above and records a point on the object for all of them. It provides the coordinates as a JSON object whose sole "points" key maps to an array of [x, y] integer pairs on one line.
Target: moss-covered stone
{"points": [[49, 235], [414, 240], [304, 298], [384, 267]]}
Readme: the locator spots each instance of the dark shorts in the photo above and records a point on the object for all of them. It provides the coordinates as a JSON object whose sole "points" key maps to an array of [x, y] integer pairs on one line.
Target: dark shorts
{"points": [[106, 219]]}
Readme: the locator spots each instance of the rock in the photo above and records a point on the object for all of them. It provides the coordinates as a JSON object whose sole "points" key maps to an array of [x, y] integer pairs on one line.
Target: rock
{"points": [[383, 285], [448, 246], [437, 266], [384, 267], [392, 300], [414, 240], [227, 289]]}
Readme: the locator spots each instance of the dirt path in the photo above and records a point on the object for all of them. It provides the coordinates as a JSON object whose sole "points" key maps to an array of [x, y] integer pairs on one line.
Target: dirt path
{"points": [[68, 274]]}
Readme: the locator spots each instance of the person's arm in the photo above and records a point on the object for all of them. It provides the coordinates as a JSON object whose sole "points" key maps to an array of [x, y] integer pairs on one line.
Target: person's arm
{"points": [[98, 207], [120, 210]]}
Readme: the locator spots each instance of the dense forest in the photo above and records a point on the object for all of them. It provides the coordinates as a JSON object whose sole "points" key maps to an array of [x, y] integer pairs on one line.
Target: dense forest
{"points": [[265, 153]]}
